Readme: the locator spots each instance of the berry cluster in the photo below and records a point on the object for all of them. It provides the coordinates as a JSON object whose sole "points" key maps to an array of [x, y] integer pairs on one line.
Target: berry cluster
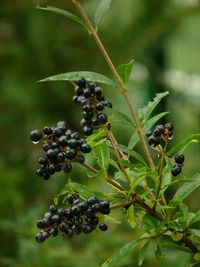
{"points": [[92, 100], [79, 217], [160, 133], [62, 146], [176, 169]]}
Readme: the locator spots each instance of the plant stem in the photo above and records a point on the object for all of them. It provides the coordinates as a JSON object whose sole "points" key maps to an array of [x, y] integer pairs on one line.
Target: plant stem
{"points": [[160, 178], [125, 204], [118, 80], [110, 136], [89, 167], [109, 179], [124, 157]]}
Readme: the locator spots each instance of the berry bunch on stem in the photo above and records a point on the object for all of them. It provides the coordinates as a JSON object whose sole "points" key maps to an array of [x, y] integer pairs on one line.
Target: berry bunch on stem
{"points": [[61, 146], [140, 181], [79, 217]]}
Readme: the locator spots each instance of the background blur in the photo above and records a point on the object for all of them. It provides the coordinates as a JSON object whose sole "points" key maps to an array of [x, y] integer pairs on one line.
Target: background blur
{"points": [[164, 39]]}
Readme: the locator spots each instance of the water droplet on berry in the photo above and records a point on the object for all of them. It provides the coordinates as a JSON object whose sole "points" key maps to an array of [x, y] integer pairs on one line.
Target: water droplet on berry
{"points": [[158, 155], [35, 142], [171, 137]]}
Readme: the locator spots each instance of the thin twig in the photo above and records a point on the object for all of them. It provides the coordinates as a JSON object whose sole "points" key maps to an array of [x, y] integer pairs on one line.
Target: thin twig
{"points": [[124, 204], [109, 179], [121, 166], [118, 80], [89, 167], [160, 179], [123, 156]]}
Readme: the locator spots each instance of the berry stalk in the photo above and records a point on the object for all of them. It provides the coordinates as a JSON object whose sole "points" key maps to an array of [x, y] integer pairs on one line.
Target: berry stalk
{"points": [[118, 80]]}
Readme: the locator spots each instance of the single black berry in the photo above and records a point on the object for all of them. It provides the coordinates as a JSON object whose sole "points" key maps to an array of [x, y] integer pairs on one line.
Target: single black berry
{"points": [[35, 135], [179, 158], [102, 118], [51, 154], [85, 148], [103, 227], [47, 130], [176, 170], [67, 167], [40, 237]]}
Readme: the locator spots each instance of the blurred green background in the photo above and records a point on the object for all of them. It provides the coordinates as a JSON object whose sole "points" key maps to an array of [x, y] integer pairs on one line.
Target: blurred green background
{"points": [[163, 38]]}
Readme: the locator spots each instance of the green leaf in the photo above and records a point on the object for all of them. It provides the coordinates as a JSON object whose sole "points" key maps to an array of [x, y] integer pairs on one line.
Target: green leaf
{"points": [[114, 164], [197, 256], [83, 190], [132, 153], [122, 118], [158, 252], [124, 71], [56, 200], [142, 253], [187, 188], [138, 178], [102, 154], [196, 218], [150, 222], [64, 13], [166, 178], [148, 125], [96, 137], [131, 217], [172, 245], [184, 144], [101, 10], [122, 252], [146, 111], [110, 220], [73, 76], [176, 236]]}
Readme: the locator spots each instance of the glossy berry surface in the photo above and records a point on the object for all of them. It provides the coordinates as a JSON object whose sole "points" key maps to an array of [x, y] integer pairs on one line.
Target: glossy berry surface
{"points": [[179, 158], [161, 133], [35, 135], [176, 170], [78, 217], [92, 100], [61, 147]]}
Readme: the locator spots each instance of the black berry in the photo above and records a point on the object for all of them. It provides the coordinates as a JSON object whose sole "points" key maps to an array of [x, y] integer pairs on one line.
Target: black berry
{"points": [[176, 170], [179, 158]]}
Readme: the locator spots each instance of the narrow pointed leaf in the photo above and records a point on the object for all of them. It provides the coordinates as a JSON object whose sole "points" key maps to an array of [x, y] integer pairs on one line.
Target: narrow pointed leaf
{"points": [[122, 252], [142, 253], [83, 190], [122, 118], [146, 111], [184, 144], [196, 218], [158, 252], [73, 76], [187, 188], [124, 71], [64, 13], [132, 153], [96, 137], [101, 11], [131, 217], [102, 154], [138, 178]]}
